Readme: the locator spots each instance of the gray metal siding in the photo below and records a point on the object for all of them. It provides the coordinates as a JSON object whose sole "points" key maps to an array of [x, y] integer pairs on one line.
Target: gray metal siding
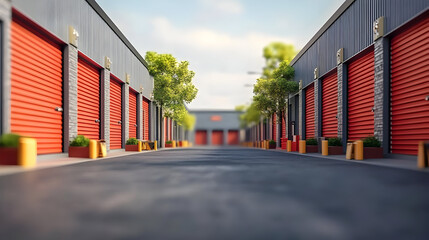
{"points": [[96, 38], [353, 32], [230, 120]]}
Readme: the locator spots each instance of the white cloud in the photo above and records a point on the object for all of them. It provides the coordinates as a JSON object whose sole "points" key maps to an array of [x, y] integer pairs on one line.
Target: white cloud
{"points": [[224, 6]]}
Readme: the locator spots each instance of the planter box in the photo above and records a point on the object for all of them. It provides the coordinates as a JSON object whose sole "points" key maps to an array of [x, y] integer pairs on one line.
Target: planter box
{"points": [[132, 148], [272, 146], [9, 156], [372, 152], [79, 152], [335, 150], [168, 145], [312, 148]]}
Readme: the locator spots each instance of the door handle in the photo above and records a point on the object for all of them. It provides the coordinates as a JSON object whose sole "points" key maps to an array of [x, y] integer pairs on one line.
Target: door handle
{"points": [[97, 120], [59, 109], [119, 122]]}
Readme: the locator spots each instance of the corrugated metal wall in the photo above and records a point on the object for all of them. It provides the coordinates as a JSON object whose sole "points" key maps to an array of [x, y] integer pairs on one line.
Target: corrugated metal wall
{"points": [[96, 38], [353, 32]]}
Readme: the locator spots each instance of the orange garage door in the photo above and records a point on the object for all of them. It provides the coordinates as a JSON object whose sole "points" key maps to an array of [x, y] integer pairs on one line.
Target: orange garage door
{"points": [[201, 137], [217, 137], [410, 88], [361, 97], [133, 114], [233, 137], [145, 119], [115, 113], [36, 89], [88, 100], [329, 106], [309, 112]]}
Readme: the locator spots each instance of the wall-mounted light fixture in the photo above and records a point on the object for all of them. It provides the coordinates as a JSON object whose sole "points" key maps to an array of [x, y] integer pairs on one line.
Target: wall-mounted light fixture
{"points": [[127, 78], [340, 56], [107, 63], [378, 28], [73, 36], [316, 73]]}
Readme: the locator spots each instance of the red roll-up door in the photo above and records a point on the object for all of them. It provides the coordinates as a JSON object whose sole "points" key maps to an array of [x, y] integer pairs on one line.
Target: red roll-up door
{"points": [[217, 137], [309, 112], [410, 88], [233, 137], [133, 114], [171, 129], [115, 114], [361, 97], [274, 127], [283, 125], [145, 119], [201, 137], [88, 100], [36, 89], [165, 130], [329, 106]]}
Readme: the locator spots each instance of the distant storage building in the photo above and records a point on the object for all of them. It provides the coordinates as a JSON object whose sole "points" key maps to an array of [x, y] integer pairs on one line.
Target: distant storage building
{"points": [[364, 73], [216, 128]]}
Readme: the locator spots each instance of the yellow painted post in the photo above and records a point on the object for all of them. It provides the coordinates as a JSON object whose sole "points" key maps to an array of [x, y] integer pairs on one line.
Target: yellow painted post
{"points": [[349, 152], [140, 147], [173, 144], [267, 144], [421, 158], [155, 145], [324, 147], [93, 149], [27, 152], [102, 147], [302, 146], [289, 146], [358, 150]]}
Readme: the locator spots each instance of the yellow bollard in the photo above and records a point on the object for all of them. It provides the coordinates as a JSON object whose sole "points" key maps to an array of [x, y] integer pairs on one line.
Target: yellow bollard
{"points": [[358, 150], [140, 147], [289, 146], [302, 146], [349, 152], [324, 147], [173, 144], [27, 152], [155, 145], [267, 144], [422, 156], [102, 149], [93, 149]]}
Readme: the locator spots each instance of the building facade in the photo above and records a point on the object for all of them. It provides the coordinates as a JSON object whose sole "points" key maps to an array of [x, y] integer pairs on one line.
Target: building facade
{"points": [[216, 128], [67, 70], [364, 73]]}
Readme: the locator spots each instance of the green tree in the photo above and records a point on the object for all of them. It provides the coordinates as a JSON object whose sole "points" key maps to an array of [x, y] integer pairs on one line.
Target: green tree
{"points": [[275, 53], [173, 85], [271, 94], [250, 115]]}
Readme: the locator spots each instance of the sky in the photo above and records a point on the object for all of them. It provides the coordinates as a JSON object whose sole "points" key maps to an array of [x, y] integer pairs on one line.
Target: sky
{"points": [[221, 39]]}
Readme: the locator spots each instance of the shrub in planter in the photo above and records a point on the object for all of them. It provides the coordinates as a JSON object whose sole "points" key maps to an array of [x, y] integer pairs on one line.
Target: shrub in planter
{"points": [[132, 144], [9, 149], [272, 144], [79, 147], [335, 146], [169, 144], [372, 148], [311, 145]]}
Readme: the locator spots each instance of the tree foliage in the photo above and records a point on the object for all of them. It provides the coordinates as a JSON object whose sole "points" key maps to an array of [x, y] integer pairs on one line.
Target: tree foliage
{"points": [[271, 94], [250, 114], [274, 54], [173, 85]]}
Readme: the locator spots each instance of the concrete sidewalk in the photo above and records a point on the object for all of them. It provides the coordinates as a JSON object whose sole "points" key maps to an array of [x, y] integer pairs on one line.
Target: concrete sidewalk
{"points": [[401, 163]]}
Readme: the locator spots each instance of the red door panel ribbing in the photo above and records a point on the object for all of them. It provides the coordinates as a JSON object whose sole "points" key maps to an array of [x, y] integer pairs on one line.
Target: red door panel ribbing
{"points": [[217, 137], [88, 100], [329, 106], [115, 114], [233, 137], [201, 137], [165, 130], [133, 114], [283, 125], [36, 89], [145, 119], [361, 97], [410, 88], [309, 112], [274, 127]]}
